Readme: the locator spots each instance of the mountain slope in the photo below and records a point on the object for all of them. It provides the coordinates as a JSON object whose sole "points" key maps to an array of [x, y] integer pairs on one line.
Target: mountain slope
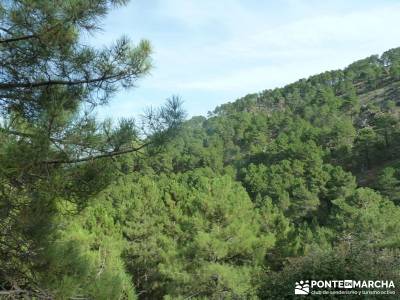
{"points": [[296, 183]]}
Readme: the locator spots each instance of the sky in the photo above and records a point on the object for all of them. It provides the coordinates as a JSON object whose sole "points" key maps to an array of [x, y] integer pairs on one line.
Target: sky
{"points": [[210, 52]]}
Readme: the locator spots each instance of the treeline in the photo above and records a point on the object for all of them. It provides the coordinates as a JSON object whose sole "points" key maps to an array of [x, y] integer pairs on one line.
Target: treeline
{"points": [[296, 183]]}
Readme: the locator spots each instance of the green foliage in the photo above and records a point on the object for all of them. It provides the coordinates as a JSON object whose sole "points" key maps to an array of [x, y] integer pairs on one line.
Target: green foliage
{"points": [[368, 217], [53, 151], [240, 205], [87, 262], [388, 184], [367, 247], [199, 235], [346, 260]]}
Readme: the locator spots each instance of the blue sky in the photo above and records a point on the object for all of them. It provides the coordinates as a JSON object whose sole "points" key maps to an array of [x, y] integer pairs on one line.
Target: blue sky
{"points": [[213, 51]]}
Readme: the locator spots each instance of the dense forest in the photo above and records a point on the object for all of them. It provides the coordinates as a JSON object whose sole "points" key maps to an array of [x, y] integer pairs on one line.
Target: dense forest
{"points": [[299, 182]]}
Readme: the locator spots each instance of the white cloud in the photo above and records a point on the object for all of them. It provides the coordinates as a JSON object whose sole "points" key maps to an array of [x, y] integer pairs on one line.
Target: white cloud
{"points": [[255, 50], [241, 46]]}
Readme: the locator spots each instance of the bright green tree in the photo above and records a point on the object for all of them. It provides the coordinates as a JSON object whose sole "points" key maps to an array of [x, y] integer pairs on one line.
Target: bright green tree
{"points": [[388, 184], [192, 235]]}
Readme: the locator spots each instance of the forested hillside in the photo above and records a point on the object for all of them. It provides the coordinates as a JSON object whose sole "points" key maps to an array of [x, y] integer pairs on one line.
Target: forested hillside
{"points": [[299, 182], [318, 160]]}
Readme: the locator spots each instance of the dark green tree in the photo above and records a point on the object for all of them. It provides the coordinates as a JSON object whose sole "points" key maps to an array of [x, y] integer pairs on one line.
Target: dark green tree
{"points": [[388, 183], [52, 150]]}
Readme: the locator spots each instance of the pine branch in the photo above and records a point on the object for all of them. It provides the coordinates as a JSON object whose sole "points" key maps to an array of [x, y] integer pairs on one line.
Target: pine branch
{"points": [[95, 157], [6, 30], [7, 86], [25, 37], [20, 38]]}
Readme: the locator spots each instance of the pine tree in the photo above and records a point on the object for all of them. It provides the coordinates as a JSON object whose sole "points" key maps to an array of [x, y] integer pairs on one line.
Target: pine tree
{"points": [[52, 149]]}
